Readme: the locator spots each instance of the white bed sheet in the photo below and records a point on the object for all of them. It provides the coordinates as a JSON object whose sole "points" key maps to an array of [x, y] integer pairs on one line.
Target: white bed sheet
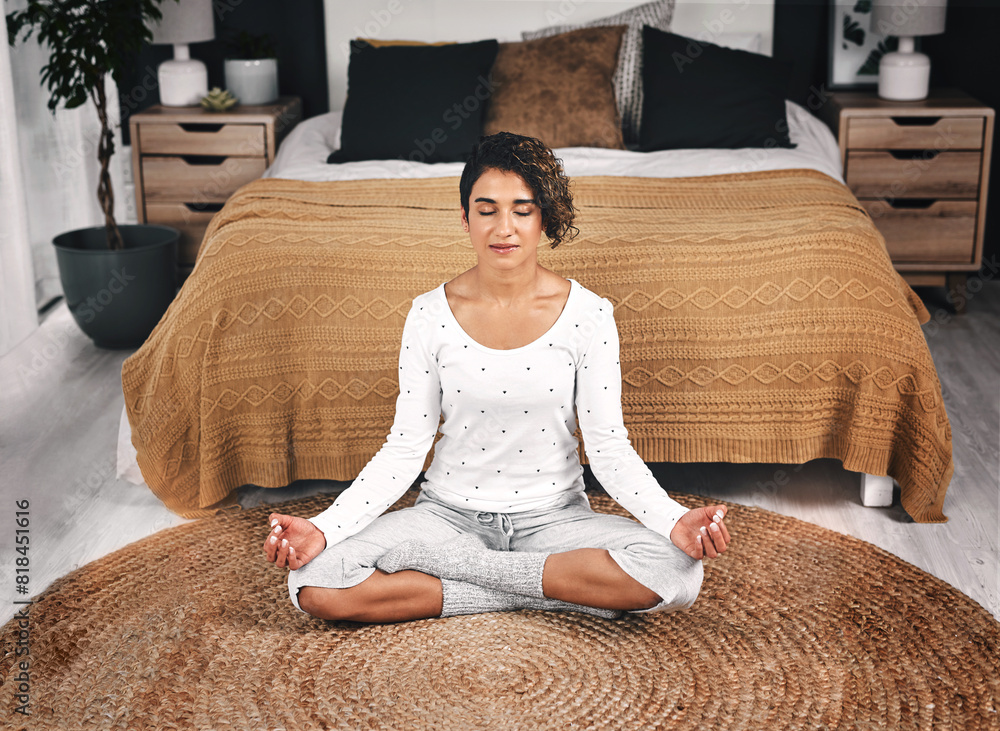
{"points": [[302, 156]]}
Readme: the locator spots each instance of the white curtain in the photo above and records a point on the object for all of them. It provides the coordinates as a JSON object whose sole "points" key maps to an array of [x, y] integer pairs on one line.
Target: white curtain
{"points": [[57, 157], [18, 313]]}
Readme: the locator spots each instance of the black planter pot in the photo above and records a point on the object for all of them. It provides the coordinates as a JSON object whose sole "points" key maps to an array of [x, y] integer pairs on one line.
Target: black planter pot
{"points": [[117, 297]]}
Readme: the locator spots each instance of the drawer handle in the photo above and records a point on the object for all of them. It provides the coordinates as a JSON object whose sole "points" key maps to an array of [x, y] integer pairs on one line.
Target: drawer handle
{"points": [[916, 121], [917, 204], [914, 154], [203, 159], [204, 207], [200, 126]]}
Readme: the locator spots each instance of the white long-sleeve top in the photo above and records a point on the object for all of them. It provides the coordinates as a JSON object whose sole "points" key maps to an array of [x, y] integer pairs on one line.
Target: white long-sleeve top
{"points": [[507, 440]]}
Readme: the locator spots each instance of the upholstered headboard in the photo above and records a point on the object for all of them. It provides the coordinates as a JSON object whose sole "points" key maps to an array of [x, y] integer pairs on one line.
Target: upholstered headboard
{"points": [[471, 20]]}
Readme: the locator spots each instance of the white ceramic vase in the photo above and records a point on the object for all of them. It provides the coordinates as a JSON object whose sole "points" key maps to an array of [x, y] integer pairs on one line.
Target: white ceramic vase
{"points": [[253, 81]]}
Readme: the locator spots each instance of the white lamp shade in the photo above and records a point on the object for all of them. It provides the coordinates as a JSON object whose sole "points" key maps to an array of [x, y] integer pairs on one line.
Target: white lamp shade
{"points": [[184, 21], [908, 17]]}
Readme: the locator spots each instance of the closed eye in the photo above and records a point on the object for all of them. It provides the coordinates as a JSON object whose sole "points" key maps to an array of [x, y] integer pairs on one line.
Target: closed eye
{"points": [[490, 213]]}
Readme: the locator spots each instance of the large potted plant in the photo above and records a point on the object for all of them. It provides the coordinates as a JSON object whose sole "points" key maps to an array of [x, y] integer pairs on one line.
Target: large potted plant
{"points": [[118, 280]]}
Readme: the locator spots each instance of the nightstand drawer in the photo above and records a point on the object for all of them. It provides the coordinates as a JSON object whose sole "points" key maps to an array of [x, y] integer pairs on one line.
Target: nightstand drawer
{"points": [[944, 231], [884, 174], [246, 140], [911, 133], [189, 219], [197, 180]]}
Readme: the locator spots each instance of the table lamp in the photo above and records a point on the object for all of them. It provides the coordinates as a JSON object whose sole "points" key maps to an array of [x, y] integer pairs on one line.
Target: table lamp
{"points": [[904, 75], [183, 80]]}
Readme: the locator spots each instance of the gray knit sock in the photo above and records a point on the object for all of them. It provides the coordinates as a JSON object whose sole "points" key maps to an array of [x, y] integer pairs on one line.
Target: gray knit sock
{"points": [[467, 559], [464, 598]]}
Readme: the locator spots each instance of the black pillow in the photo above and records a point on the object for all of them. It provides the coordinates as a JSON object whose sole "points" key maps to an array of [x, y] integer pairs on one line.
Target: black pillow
{"points": [[697, 94], [416, 103]]}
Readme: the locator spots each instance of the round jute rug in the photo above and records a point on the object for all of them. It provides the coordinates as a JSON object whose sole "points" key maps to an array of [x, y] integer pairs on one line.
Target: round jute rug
{"points": [[796, 627]]}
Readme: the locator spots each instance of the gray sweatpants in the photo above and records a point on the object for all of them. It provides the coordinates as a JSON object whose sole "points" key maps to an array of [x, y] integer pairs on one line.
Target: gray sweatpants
{"points": [[646, 556]]}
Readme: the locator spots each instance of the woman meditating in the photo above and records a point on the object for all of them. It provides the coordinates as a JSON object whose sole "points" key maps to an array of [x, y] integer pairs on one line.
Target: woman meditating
{"points": [[514, 357]]}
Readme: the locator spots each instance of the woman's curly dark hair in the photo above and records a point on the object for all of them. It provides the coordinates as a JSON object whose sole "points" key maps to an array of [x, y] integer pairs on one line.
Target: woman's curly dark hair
{"points": [[540, 169]]}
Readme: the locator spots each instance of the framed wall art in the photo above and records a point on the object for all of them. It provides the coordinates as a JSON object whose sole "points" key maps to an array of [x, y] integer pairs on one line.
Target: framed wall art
{"points": [[855, 49]]}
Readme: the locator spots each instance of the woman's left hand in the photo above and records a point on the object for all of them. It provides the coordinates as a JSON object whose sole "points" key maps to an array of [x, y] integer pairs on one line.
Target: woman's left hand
{"points": [[701, 532]]}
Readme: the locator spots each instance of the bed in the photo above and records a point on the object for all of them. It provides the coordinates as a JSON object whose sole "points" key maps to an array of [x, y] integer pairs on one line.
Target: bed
{"points": [[760, 316]]}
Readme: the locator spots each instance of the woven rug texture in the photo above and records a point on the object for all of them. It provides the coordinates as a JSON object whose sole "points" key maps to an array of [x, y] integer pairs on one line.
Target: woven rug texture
{"points": [[796, 627]]}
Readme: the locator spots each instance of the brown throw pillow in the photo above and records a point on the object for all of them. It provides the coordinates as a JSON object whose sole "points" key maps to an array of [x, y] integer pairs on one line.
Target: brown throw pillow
{"points": [[558, 89]]}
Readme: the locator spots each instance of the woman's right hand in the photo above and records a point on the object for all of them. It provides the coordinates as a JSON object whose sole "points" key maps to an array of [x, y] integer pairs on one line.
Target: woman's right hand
{"points": [[293, 542]]}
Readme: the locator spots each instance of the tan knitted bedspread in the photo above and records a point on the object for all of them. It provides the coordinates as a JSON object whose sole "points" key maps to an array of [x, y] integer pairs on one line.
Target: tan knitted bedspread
{"points": [[760, 318]]}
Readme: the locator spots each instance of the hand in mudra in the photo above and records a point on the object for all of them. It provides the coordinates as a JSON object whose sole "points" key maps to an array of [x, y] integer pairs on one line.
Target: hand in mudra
{"points": [[293, 542], [701, 532]]}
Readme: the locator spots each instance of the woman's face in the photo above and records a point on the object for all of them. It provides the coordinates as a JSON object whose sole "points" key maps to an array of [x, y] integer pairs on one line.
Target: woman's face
{"points": [[504, 221]]}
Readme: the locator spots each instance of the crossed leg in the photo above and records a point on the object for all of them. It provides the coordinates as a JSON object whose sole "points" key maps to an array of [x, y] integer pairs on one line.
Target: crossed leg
{"points": [[380, 598], [587, 576]]}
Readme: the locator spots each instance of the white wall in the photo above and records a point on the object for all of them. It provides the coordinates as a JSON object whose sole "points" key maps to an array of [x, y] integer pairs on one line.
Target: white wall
{"points": [[473, 20]]}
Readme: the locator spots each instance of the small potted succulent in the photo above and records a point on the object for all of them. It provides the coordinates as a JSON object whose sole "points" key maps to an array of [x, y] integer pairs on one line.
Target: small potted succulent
{"points": [[117, 280], [252, 68]]}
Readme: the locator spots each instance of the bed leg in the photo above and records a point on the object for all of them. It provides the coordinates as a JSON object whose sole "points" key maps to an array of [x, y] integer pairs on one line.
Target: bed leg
{"points": [[876, 490]]}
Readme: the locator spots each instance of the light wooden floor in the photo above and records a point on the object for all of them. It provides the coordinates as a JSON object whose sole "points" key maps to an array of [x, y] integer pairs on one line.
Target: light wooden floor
{"points": [[61, 400]]}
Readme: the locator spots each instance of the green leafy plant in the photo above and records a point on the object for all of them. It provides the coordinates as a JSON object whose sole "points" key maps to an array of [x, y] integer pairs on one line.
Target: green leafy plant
{"points": [[87, 40], [853, 31], [246, 46], [218, 100]]}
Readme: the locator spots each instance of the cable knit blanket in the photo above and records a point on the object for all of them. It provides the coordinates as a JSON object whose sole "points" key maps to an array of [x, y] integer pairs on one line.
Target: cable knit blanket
{"points": [[760, 318]]}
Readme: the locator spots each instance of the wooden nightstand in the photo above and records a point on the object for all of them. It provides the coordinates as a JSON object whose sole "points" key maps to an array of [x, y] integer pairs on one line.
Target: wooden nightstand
{"points": [[921, 170], [188, 161]]}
